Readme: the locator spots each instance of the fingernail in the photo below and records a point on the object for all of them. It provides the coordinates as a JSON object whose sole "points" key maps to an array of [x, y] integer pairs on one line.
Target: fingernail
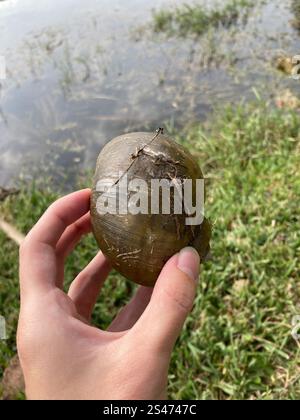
{"points": [[188, 262]]}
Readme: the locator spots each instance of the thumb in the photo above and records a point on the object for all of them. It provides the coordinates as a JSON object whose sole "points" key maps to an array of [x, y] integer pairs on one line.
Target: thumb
{"points": [[171, 301]]}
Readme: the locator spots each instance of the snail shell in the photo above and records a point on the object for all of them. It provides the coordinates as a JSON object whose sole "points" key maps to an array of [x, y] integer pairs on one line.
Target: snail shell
{"points": [[138, 245]]}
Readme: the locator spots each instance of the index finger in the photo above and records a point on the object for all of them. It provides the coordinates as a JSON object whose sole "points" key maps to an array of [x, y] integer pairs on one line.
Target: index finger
{"points": [[59, 216], [38, 262]]}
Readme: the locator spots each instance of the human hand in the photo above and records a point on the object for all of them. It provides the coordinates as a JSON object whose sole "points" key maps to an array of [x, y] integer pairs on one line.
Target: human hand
{"points": [[62, 355]]}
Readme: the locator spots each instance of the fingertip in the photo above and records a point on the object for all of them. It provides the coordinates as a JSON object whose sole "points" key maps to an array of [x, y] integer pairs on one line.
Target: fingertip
{"points": [[171, 301], [189, 262], [86, 191]]}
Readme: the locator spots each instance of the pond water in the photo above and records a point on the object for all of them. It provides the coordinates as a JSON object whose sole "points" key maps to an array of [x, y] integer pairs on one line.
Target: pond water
{"points": [[79, 73]]}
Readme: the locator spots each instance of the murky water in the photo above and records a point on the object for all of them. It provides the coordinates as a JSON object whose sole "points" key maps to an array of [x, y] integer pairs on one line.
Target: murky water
{"points": [[80, 73]]}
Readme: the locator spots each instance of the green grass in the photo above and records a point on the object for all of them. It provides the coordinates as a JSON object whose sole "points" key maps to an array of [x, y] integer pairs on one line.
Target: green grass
{"points": [[196, 19], [236, 342]]}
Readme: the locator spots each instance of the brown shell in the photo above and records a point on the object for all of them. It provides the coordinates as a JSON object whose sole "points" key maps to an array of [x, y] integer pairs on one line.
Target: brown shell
{"points": [[139, 245]]}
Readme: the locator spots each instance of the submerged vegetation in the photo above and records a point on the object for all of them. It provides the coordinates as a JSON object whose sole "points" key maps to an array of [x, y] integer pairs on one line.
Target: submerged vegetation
{"points": [[295, 8], [196, 19], [237, 341]]}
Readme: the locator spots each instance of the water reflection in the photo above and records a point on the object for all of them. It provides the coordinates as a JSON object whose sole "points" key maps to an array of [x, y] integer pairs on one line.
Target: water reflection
{"points": [[80, 73]]}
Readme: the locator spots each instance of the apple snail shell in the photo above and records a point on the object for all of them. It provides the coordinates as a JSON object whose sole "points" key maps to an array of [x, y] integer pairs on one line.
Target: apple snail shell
{"points": [[138, 245]]}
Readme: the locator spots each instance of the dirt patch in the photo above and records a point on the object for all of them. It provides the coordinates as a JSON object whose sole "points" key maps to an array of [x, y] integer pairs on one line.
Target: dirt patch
{"points": [[13, 382], [4, 193]]}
